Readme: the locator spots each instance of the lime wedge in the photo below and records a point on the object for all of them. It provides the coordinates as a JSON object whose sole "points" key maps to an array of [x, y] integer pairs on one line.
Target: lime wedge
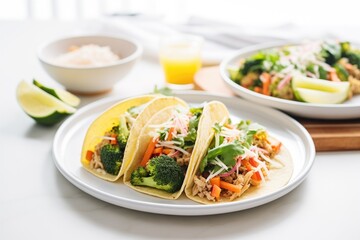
{"points": [[319, 84], [41, 106], [316, 96], [314, 90], [61, 94]]}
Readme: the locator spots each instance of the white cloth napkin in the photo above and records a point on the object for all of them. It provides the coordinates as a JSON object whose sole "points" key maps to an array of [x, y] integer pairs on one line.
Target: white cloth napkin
{"points": [[221, 39]]}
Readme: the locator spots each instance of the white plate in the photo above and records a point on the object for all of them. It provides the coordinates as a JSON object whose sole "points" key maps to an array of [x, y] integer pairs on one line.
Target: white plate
{"points": [[347, 110], [69, 137]]}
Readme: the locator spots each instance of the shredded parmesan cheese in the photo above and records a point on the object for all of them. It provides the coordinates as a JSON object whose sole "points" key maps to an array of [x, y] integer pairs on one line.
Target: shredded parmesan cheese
{"points": [[87, 56]]}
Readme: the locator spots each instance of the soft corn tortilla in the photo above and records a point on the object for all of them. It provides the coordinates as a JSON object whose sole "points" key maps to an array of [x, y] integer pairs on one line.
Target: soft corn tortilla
{"points": [[213, 112], [279, 177], [110, 118]]}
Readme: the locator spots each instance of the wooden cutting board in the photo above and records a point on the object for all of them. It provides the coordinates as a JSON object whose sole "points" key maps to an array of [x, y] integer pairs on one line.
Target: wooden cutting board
{"points": [[328, 135]]}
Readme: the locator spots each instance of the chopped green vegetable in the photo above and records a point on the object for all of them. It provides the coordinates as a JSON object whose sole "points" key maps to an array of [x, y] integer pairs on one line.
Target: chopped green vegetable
{"points": [[164, 91], [226, 153], [124, 132], [190, 138], [331, 52], [341, 72]]}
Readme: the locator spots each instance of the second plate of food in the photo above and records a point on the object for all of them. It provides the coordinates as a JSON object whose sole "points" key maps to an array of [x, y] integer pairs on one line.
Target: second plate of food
{"points": [[347, 110]]}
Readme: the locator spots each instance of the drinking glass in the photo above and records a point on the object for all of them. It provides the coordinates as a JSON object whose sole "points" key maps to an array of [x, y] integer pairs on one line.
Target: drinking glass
{"points": [[180, 57]]}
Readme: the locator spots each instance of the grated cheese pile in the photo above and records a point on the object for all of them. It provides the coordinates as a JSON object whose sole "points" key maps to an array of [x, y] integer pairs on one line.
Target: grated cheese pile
{"points": [[87, 56]]}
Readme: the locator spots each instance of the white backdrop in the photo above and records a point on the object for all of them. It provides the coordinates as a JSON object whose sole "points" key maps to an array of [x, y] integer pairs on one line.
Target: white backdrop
{"points": [[249, 12]]}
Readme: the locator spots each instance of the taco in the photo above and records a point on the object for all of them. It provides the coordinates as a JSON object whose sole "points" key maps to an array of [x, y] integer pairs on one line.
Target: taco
{"points": [[111, 139], [168, 147], [240, 161]]}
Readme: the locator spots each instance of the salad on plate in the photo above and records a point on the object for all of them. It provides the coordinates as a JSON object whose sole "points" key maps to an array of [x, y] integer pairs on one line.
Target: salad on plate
{"points": [[316, 72]]}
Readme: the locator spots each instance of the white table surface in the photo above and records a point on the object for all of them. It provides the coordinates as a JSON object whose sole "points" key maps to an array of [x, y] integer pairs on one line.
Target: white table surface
{"points": [[37, 202]]}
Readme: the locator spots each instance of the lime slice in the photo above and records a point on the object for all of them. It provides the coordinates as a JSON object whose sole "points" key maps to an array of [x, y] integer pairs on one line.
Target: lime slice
{"points": [[314, 90], [61, 94], [319, 84], [316, 96], [41, 106]]}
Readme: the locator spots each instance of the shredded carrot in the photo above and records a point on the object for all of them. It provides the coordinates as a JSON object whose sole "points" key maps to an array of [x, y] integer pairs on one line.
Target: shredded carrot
{"points": [[215, 191], [256, 176], [166, 151], [231, 187], [148, 153], [215, 181], [348, 66], [113, 141], [157, 150], [170, 136], [89, 155], [253, 162], [334, 77], [276, 148], [266, 79], [258, 89], [247, 165]]}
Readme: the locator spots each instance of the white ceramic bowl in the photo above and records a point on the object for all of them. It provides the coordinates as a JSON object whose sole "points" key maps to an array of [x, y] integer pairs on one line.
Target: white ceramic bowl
{"points": [[90, 80]]}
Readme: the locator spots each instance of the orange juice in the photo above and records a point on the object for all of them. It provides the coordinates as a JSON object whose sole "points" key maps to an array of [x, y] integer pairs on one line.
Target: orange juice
{"points": [[181, 59], [180, 71]]}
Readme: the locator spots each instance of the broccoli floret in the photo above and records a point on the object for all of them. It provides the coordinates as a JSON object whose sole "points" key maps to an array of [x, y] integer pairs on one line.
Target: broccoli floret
{"points": [[123, 133], [161, 172], [354, 57], [352, 54], [252, 65], [111, 158], [345, 48], [137, 175]]}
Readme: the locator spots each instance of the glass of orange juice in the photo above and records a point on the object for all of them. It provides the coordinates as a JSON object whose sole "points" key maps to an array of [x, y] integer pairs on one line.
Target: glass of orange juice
{"points": [[180, 57]]}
